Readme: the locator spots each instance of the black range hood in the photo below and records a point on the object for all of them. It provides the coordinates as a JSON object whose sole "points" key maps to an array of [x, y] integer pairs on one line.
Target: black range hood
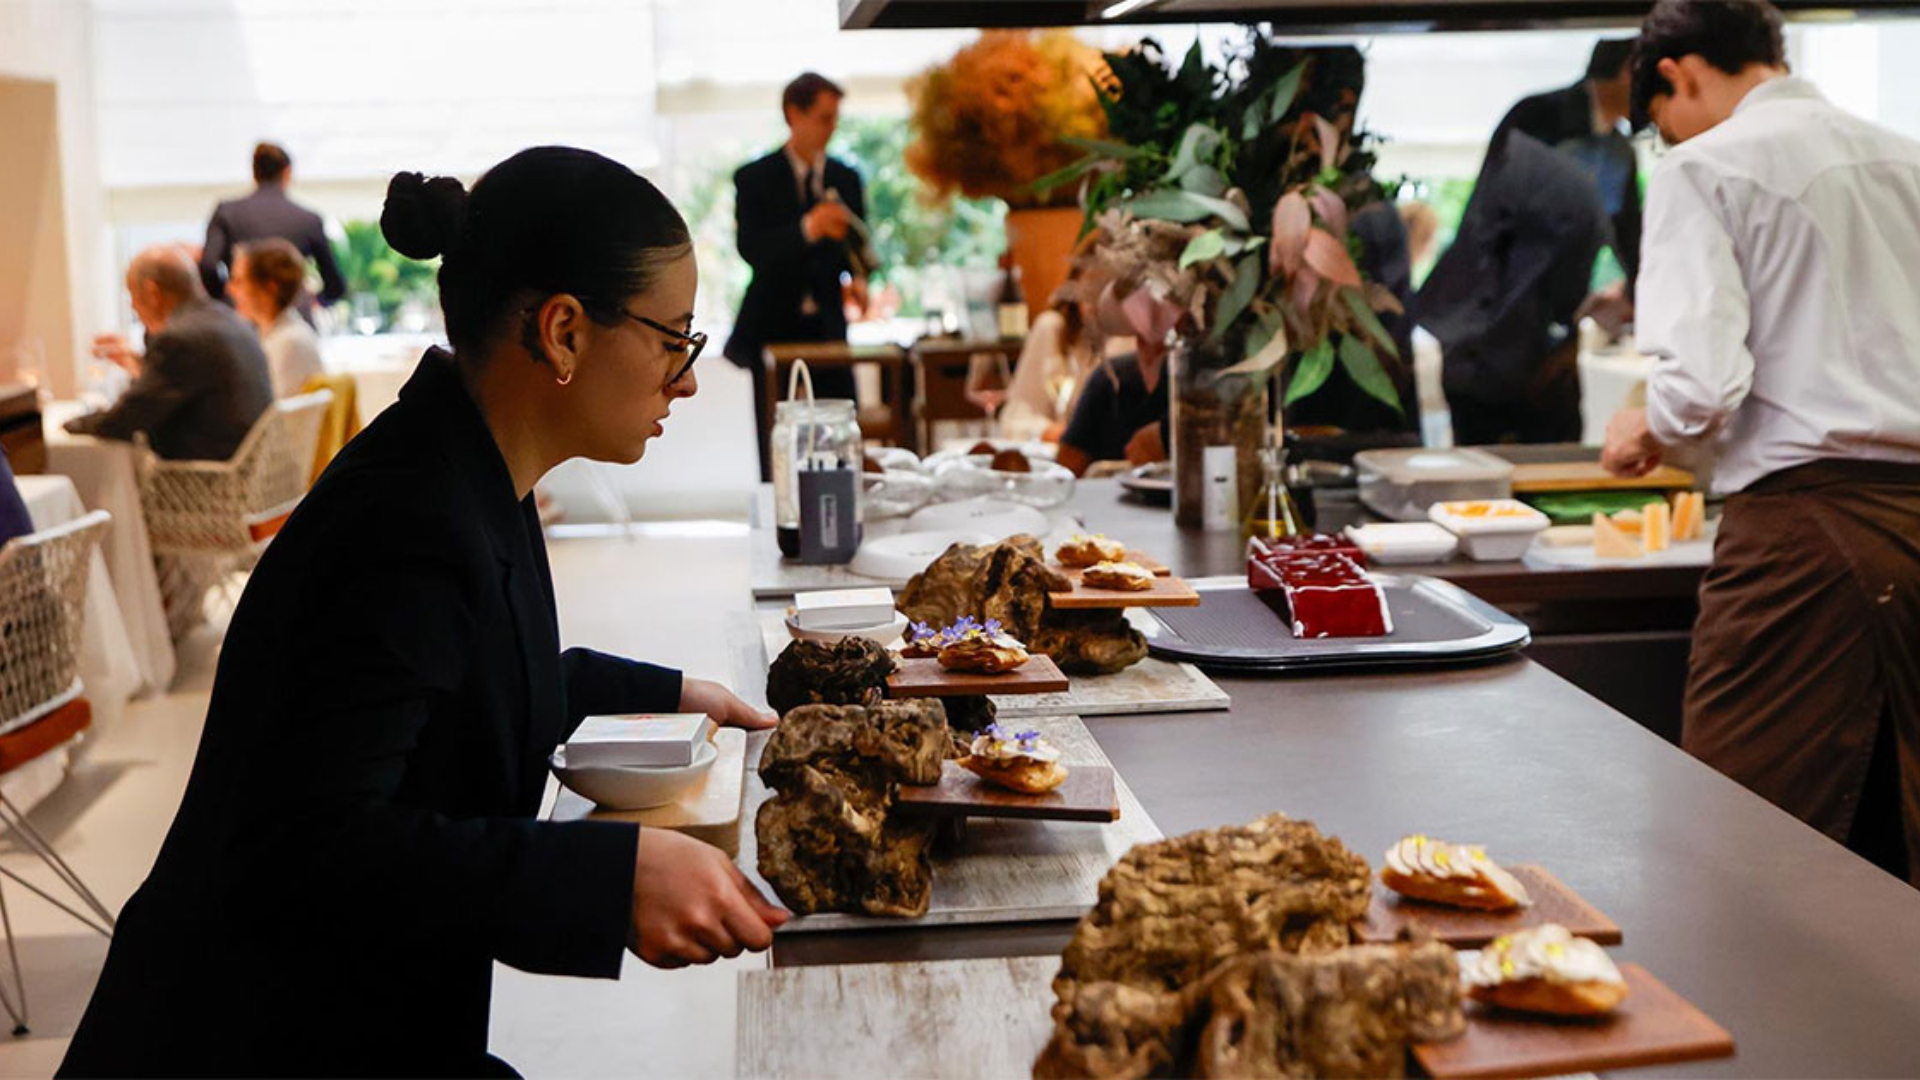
{"points": [[1312, 16]]}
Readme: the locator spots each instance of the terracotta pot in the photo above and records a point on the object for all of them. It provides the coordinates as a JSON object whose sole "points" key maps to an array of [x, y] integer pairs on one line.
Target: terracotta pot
{"points": [[1042, 245]]}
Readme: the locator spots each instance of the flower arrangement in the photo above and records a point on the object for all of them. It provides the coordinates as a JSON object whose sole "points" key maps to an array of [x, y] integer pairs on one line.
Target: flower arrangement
{"points": [[1228, 200], [998, 115]]}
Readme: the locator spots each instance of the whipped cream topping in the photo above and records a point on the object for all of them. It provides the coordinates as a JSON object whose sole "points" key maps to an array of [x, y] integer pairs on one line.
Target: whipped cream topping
{"points": [[1418, 854], [998, 744], [1547, 952]]}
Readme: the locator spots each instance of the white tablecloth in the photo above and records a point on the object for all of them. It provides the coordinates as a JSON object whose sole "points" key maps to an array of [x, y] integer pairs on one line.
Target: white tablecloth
{"points": [[107, 665], [104, 473]]}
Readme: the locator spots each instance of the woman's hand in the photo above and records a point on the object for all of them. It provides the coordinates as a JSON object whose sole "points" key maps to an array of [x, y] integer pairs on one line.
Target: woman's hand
{"points": [[726, 708], [691, 905]]}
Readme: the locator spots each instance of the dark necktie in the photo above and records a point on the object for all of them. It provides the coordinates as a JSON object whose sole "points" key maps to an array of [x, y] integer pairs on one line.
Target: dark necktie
{"points": [[807, 198]]}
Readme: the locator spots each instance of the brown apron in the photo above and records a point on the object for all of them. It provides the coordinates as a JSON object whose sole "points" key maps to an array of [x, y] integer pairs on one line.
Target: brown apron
{"points": [[1808, 644]]}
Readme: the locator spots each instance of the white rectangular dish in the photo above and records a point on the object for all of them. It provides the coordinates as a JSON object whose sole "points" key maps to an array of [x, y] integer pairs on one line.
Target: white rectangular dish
{"points": [[1403, 542], [1491, 530]]}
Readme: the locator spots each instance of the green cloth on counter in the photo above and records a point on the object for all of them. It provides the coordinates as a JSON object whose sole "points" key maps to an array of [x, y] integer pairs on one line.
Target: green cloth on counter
{"points": [[1578, 507]]}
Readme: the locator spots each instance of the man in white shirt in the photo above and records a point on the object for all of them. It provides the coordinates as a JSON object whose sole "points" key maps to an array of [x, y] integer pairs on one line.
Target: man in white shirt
{"points": [[1779, 294]]}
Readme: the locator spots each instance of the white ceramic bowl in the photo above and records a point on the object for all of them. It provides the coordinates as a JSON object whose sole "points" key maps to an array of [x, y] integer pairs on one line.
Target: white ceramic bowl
{"points": [[885, 633], [632, 787]]}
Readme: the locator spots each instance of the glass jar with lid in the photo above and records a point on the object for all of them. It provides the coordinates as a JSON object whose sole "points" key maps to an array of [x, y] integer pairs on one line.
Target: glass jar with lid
{"points": [[811, 434]]}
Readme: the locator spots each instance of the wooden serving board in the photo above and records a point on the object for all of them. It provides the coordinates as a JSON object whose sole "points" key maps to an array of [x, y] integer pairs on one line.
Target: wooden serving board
{"points": [[709, 813], [921, 677], [1167, 591], [1151, 686], [1006, 870], [1141, 558], [942, 1020], [1653, 1026], [1553, 902], [1592, 476], [1087, 794]]}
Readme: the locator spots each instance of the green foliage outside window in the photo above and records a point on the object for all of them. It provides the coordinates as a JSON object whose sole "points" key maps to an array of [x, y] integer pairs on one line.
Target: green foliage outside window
{"points": [[374, 269]]}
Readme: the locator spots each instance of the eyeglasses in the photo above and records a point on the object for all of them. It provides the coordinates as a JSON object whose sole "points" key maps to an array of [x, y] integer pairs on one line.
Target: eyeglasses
{"points": [[678, 341]]}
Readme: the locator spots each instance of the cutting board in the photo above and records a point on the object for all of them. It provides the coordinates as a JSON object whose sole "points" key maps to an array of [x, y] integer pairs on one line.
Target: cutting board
{"points": [[1592, 476], [1553, 902], [921, 677], [710, 812], [974, 1018], [1151, 686], [1087, 794], [1005, 870], [1654, 1026], [1166, 592], [940, 1020]]}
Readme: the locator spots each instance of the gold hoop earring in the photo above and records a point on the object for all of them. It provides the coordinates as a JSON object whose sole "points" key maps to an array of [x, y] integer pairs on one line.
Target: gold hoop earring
{"points": [[564, 381]]}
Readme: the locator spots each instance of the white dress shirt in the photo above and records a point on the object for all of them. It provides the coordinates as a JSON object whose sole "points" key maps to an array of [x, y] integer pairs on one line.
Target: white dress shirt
{"points": [[1779, 290], [293, 353]]}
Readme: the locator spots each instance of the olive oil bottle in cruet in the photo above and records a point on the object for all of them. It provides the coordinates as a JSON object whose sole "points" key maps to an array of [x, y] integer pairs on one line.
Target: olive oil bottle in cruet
{"points": [[1274, 514]]}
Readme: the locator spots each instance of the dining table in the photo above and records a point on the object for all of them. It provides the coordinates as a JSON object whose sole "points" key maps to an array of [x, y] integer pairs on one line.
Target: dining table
{"points": [[106, 475], [1799, 948]]}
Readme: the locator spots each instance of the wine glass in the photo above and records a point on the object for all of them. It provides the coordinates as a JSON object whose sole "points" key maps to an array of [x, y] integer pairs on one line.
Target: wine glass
{"points": [[366, 313], [987, 379]]}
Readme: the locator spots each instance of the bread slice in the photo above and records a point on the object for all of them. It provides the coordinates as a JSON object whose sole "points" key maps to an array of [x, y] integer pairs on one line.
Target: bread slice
{"points": [[1017, 774], [1610, 541], [1689, 516], [1591, 998], [1656, 527]]}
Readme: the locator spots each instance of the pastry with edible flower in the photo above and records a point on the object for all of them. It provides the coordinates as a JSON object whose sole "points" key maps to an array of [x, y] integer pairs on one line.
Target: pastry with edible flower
{"points": [[1459, 875], [981, 648], [1084, 549], [1545, 969], [1120, 576], [1020, 761]]}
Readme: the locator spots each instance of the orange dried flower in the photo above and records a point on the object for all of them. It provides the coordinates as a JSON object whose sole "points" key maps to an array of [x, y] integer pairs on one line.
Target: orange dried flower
{"points": [[989, 121]]}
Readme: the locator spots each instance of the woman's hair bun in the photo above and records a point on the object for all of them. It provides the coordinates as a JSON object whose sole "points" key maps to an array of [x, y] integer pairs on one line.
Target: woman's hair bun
{"points": [[423, 216]]}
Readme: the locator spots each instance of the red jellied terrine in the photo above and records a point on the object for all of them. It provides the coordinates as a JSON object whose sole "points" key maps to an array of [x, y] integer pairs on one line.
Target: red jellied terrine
{"points": [[1264, 556], [1330, 596]]}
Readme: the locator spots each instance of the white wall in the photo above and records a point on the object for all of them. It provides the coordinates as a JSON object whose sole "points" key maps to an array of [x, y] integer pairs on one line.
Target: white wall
{"points": [[52, 40]]}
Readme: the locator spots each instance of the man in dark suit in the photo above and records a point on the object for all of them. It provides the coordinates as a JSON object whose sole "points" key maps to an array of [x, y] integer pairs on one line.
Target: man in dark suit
{"points": [[203, 381], [1503, 301], [267, 214], [1586, 120], [794, 210]]}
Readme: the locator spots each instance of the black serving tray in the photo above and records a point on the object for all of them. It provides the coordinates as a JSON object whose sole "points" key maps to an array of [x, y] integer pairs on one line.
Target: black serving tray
{"points": [[1235, 628]]}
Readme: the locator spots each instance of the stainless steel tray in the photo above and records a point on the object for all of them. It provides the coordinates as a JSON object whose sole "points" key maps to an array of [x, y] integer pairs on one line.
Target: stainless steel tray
{"points": [[1434, 622]]}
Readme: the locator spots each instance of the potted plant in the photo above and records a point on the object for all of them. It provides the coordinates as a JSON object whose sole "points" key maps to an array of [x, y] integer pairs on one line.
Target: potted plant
{"points": [[1003, 112], [1227, 197]]}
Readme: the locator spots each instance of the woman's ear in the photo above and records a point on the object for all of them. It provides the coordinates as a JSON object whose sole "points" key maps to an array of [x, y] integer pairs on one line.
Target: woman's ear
{"points": [[559, 335]]}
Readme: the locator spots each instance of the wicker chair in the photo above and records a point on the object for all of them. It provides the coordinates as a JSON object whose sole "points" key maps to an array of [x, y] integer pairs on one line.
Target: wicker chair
{"points": [[43, 594], [206, 519]]}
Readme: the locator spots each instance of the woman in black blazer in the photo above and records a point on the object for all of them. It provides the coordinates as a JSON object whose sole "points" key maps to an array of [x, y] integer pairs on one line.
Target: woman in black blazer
{"points": [[357, 843]]}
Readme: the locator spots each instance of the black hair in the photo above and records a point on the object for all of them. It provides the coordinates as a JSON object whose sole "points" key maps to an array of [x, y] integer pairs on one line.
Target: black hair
{"points": [[270, 163], [1729, 34], [801, 93], [1609, 58], [546, 221]]}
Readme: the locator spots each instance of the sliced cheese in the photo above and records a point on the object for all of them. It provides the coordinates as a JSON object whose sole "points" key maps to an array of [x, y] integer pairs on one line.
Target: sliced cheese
{"points": [[1689, 515], [1630, 519], [1610, 541], [1656, 527]]}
